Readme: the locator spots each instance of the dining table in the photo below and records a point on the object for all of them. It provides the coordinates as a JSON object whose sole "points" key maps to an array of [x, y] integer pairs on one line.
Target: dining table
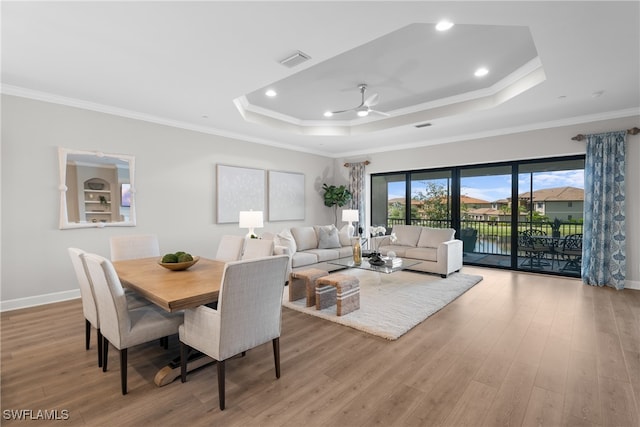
{"points": [[173, 291]]}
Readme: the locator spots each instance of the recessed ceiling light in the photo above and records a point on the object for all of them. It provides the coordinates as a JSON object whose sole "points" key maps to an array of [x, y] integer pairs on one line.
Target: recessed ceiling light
{"points": [[328, 114], [363, 113], [444, 25], [482, 71], [271, 93]]}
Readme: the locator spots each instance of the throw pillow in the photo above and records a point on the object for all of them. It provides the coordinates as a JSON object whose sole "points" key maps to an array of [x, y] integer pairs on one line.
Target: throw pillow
{"points": [[284, 238], [407, 235], [328, 238]]}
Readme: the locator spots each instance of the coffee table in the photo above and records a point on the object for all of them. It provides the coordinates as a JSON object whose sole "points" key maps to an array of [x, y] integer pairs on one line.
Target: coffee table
{"points": [[391, 266]]}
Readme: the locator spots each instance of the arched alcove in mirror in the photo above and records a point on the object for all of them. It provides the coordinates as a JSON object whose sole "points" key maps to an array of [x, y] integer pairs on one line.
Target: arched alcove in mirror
{"points": [[96, 189]]}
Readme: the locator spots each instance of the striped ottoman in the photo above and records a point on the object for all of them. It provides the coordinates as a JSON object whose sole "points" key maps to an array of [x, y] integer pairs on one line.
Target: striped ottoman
{"points": [[302, 284], [347, 292]]}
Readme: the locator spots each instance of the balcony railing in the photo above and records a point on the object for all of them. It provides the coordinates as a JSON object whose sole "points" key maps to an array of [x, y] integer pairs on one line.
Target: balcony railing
{"points": [[492, 237]]}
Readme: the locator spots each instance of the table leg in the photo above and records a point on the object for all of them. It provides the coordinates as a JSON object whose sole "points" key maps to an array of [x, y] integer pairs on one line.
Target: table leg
{"points": [[170, 372]]}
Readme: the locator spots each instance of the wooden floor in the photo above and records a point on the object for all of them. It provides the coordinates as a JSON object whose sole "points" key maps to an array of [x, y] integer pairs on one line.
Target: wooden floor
{"points": [[517, 349]]}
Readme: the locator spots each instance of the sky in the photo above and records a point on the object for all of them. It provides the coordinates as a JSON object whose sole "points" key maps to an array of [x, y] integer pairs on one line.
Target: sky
{"points": [[492, 188]]}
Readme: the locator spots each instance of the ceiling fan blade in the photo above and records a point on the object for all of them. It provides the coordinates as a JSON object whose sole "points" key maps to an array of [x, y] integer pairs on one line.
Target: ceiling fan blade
{"points": [[372, 100], [341, 111], [382, 113]]}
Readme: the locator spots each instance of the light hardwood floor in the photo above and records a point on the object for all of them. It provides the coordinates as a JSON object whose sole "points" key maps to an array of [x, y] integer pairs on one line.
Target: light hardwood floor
{"points": [[517, 349]]}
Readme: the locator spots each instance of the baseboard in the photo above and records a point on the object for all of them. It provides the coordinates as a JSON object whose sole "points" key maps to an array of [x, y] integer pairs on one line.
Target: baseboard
{"points": [[18, 303], [632, 284]]}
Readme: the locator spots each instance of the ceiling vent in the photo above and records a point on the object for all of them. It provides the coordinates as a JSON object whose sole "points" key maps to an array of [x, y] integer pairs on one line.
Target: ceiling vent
{"points": [[423, 125], [295, 59]]}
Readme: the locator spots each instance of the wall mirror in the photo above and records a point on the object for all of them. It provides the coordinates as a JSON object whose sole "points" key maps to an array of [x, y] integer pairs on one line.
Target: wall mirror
{"points": [[96, 189]]}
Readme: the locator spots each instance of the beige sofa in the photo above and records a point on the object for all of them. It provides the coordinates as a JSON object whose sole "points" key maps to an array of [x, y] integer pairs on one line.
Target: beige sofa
{"points": [[310, 245], [436, 248]]}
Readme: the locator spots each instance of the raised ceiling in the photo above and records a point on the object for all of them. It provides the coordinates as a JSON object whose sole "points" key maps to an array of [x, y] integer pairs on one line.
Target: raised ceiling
{"points": [[205, 66]]}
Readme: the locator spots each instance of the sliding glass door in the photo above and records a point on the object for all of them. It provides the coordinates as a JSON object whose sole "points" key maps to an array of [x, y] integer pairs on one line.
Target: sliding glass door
{"points": [[522, 215], [485, 214]]}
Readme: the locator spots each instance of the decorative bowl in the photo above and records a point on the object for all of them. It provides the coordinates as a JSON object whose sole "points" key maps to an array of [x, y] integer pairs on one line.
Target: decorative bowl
{"points": [[179, 266], [95, 185]]}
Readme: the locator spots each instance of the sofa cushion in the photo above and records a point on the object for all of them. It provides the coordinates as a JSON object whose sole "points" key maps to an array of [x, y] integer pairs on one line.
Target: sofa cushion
{"points": [[328, 238], [345, 251], [432, 237], [284, 238], [407, 235], [300, 259], [345, 235], [325, 254], [423, 254], [305, 237]]}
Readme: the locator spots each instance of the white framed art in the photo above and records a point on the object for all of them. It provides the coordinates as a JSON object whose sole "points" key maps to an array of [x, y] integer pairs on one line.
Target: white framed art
{"points": [[286, 196], [238, 189]]}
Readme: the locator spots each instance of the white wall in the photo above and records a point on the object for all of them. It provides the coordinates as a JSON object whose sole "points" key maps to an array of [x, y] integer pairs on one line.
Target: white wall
{"points": [[175, 182], [526, 145]]}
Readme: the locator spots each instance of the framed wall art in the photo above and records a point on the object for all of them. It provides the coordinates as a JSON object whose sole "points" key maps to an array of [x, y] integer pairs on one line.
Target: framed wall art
{"points": [[286, 196], [238, 189]]}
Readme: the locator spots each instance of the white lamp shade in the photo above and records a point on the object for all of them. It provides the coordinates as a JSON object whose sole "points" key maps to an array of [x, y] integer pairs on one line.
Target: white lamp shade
{"points": [[251, 219], [350, 215]]}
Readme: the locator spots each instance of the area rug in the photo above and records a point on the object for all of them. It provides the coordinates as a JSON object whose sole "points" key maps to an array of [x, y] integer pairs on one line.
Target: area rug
{"points": [[392, 304]]}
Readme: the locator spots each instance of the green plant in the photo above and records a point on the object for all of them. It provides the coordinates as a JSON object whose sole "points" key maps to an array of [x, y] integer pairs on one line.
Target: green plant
{"points": [[336, 197]]}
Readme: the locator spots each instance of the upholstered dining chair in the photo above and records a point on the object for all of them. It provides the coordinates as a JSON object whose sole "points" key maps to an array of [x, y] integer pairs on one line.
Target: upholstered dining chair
{"points": [[134, 246], [87, 295], [230, 248], [121, 326], [257, 248], [248, 315]]}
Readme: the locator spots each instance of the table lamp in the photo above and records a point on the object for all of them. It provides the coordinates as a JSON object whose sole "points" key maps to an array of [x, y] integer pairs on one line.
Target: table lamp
{"points": [[351, 216], [251, 220]]}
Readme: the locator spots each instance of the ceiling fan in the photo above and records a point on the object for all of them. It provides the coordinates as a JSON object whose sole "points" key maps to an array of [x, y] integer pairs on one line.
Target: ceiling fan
{"points": [[364, 108]]}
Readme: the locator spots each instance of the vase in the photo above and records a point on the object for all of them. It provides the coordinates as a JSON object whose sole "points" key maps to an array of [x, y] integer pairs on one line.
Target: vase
{"points": [[357, 252]]}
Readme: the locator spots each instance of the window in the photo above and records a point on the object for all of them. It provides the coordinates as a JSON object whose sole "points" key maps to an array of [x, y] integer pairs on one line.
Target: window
{"points": [[490, 206]]}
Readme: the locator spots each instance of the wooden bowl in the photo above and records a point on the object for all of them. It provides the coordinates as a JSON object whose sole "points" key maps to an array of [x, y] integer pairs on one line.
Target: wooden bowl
{"points": [[178, 266]]}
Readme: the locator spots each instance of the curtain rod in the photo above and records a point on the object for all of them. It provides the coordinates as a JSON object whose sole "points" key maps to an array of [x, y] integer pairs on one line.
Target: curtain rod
{"points": [[366, 162], [632, 131]]}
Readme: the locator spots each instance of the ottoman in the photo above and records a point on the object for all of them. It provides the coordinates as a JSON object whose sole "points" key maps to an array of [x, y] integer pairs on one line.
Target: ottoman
{"points": [[347, 292], [302, 284]]}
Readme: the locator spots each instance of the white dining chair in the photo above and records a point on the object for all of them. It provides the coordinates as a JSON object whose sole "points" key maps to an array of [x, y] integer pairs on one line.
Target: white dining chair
{"points": [[121, 326], [89, 309], [87, 295], [134, 246], [230, 248], [257, 248], [248, 315]]}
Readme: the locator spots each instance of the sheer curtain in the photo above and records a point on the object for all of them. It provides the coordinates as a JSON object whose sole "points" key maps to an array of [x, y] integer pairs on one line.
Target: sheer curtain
{"points": [[357, 189], [604, 242]]}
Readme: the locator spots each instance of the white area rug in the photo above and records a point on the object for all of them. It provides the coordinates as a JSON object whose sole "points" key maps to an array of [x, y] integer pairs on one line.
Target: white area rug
{"points": [[392, 304]]}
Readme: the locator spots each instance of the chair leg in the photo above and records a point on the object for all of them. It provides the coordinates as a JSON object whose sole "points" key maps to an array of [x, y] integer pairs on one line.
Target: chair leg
{"points": [[220, 366], [123, 370], [276, 355], [105, 353], [184, 356], [100, 343], [87, 334]]}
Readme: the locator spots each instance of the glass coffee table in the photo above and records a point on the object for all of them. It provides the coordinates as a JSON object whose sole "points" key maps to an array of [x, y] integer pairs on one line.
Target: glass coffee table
{"points": [[390, 266]]}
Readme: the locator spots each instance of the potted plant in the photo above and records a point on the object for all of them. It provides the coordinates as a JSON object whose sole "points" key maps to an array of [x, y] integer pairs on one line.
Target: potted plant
{"points": [[336, 196]]}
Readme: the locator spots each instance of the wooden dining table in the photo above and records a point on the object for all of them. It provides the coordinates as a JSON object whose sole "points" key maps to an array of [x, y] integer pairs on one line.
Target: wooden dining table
{"points": [[172, 290]]}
